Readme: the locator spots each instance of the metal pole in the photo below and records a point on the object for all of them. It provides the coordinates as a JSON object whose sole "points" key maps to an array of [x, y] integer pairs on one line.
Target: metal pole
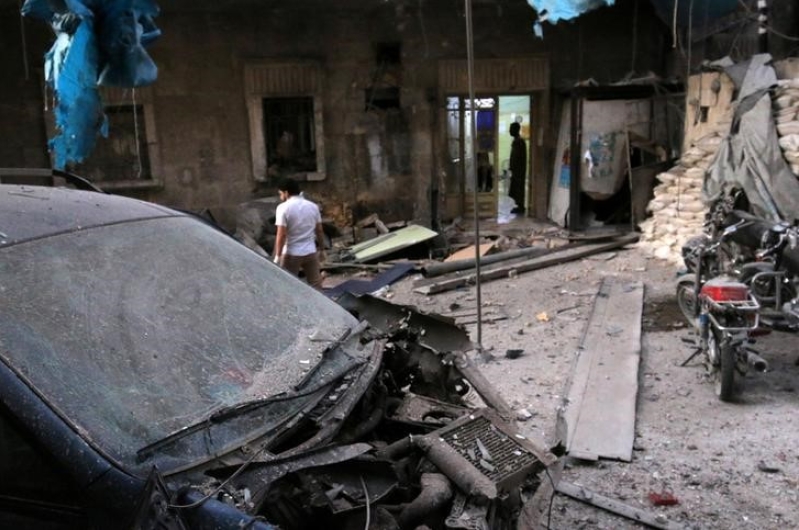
{"points": [[473, 125]]}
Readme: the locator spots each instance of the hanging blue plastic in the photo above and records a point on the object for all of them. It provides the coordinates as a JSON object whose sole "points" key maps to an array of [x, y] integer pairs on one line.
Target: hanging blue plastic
{"points": [[98, 42], [553, 11]]}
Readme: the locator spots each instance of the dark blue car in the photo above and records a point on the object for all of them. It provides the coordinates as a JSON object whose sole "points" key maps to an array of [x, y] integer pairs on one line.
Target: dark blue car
{"points": [[157, 374]]}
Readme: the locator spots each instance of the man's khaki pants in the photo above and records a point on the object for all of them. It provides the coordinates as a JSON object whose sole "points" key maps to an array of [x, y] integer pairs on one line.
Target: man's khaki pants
{"points": [[308, 264]]}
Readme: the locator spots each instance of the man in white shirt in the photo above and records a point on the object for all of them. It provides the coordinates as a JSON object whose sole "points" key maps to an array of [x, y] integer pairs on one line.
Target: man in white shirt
{"points": [[299, 227]]}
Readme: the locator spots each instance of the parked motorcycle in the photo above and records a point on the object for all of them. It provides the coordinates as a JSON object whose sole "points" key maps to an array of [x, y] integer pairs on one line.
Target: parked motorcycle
{"points": [[774, 278], [724, 313]]}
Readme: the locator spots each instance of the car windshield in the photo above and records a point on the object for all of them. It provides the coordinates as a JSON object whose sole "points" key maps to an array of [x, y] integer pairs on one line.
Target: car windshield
{"points": [[136, 330]]}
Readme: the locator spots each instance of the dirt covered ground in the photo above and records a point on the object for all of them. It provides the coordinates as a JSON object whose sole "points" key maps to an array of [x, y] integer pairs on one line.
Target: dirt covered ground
{"points": [[729, 465]]}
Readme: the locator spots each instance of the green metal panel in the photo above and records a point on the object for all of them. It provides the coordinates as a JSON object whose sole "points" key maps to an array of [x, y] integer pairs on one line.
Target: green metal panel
{"points": [[391, 242]]}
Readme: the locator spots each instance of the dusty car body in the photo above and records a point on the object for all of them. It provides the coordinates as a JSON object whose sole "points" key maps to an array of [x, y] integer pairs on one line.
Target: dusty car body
{"points": [[155, 373]]}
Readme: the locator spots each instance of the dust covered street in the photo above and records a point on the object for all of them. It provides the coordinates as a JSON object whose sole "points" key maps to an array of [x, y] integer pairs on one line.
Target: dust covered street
{"points": [[726, 465]]}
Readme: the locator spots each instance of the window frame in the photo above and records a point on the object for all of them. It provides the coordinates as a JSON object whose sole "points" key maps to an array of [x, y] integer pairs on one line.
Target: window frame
{"points": [[283, 79], [128, 97]]}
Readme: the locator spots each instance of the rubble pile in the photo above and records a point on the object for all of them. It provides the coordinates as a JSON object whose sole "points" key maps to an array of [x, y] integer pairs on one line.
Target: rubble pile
{"points": [[786, 114], [677, 209]]}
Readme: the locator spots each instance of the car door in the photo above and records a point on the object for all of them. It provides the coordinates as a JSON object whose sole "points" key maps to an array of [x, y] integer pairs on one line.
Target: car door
{"points": [[34, 493]]}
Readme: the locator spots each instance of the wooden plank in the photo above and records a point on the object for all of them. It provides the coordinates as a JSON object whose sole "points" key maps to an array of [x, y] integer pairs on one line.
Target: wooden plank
{"points": [[468, 252], [600, 415], [614, 506], [554, 258]]}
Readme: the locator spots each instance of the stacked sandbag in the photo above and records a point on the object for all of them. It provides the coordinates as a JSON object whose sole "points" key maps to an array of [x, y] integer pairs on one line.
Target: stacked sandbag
{"points": [[678, 212], [786, 114]]}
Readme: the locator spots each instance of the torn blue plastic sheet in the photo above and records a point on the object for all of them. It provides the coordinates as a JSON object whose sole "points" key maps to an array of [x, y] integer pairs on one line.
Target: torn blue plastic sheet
{"points": [[98, 42], [553, 11]]}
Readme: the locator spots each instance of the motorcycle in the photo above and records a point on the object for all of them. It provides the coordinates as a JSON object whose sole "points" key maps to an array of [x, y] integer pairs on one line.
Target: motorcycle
{"points": [[774, 278], [724, 313]]}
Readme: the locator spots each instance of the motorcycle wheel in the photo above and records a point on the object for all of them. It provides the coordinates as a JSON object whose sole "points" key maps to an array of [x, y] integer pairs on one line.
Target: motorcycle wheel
{"points": [[722, 365], [686, 300]]}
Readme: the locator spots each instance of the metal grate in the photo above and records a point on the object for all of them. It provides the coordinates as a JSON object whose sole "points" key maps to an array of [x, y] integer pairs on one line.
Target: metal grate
{"points": [[505, 457]]}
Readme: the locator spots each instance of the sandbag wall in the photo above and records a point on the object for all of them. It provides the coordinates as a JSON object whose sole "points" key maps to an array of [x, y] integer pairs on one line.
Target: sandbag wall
{"points": [[677, 209], [786, 113]]}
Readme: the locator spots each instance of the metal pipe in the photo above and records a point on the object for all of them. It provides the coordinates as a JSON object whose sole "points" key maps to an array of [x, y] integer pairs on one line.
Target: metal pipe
{"points": [[473, 126], [436, 492], [437, 269], [756, 362], [457, 468]]}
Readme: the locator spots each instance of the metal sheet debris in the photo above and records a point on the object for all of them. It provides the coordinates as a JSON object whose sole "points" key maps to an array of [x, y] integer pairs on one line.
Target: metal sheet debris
{"points": [[386, 244]]}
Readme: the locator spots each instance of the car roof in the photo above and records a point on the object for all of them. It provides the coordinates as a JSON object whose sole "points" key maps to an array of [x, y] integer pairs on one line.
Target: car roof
{"points": [[31, 212]]}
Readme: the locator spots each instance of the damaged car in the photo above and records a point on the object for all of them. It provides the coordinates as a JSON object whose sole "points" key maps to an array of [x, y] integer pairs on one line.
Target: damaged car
{"points": [[155, 373]]}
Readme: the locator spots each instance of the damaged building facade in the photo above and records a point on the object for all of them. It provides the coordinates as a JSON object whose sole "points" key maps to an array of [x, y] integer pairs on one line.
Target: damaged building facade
{"points": [[366, 102], [363, 101]]}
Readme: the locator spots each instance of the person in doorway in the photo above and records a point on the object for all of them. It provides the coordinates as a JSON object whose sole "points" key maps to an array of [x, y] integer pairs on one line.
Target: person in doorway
{"points": [[299, 228], [485, 172], [518, 168]]}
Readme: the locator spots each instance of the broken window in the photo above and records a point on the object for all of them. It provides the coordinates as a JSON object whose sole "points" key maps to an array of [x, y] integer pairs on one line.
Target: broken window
{"points": [[290, 137]]}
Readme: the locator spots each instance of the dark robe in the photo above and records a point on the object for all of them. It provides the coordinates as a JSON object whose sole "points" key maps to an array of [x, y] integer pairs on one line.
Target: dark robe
{"points": [[518, 170]]}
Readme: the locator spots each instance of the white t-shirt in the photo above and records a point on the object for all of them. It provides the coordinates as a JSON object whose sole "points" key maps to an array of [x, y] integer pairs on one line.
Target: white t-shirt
{"points": [[300, 217]]}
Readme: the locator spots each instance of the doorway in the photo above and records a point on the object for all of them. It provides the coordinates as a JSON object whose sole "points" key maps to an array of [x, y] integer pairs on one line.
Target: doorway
{"points": [[489, 169]]}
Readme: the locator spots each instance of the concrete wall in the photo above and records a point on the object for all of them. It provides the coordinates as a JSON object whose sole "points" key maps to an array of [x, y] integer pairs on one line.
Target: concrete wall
{"points": [[379, 161]]}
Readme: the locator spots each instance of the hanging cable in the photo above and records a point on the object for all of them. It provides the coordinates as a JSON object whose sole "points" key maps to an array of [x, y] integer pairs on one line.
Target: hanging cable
{"points": [[25, 64], [136, 134], [635, 37], [473, 126], [690, 43], [674, 25], [424, 31]]}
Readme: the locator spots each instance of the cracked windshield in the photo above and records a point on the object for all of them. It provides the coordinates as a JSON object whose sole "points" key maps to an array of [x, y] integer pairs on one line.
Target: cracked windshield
{"points": [[139, 329]]}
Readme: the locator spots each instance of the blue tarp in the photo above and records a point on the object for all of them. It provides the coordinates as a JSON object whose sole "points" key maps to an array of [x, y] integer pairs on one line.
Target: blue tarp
{"points": [[98, 42], [555, 10]]}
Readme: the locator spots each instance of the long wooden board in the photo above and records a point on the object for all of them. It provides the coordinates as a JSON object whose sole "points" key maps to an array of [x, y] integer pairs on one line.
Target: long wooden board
{"points": [[600, 414]]}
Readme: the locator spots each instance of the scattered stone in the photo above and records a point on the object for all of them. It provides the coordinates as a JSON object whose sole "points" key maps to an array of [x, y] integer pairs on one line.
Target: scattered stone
{"points": [[523, 415], [767, 468], [514, 353], [692, 447], [663, 499]]}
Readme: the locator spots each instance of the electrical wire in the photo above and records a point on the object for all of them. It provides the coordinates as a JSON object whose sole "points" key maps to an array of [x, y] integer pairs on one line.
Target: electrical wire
{"points": [[219, 488], [136, 134], [674, 25], [635, 36], [366, 497], [25, 64], [690, 43], [551, 499], [424, 31]]}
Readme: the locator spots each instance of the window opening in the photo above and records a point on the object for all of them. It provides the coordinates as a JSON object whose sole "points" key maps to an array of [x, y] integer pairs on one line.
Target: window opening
{"points": [[290, 135], [124, 155]]}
